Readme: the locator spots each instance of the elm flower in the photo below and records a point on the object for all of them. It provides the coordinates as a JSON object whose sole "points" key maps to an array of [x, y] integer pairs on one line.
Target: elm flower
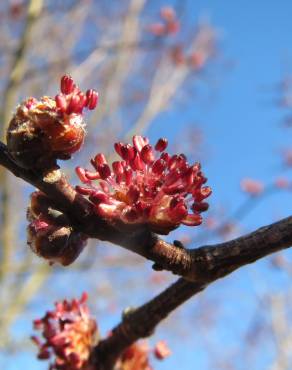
{"points": [[47, 129], [69, 334], [147, 186]]}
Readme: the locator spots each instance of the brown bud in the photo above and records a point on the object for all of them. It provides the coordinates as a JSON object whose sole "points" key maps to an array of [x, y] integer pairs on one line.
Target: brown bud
{"points": [[56, 244], [49, 233], [39, 134]]}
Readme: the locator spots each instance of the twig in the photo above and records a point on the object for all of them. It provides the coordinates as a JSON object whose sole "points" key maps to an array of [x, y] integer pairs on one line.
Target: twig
{"points": [[142, 321], [197, 265]]}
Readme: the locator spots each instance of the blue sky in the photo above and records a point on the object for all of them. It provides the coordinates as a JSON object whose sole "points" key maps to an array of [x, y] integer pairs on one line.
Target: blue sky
{"points": [[243, 136], [241, 122]]}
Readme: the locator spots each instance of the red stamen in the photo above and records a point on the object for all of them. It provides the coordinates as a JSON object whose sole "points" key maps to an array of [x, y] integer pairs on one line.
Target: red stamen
{"points": [[92, 99], [67, 85], [161, 145]]}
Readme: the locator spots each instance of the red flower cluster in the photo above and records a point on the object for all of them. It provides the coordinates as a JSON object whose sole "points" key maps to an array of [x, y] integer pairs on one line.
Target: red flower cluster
{"points": [[44, 130], [70, 334], [148, 186], [72, 99], [169, 23], [49, 233], [136, 357]]}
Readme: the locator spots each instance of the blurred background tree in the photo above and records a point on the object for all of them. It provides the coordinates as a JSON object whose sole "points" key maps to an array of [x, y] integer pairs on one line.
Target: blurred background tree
{"points": [[159, 70]]}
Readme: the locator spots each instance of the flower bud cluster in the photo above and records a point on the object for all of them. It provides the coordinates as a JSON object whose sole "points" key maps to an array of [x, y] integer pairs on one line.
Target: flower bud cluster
{"points": [[69, 334], [42, 131], [148, 186], [49, 233]]}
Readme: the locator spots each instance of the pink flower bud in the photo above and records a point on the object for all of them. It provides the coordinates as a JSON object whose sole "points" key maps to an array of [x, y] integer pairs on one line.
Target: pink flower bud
{"points": [[118, 168], [42, 131], [161, 145], [81, 173], [75, 105], [99, 160], [67, 85], [69, 333], [127, 152], [92, 99], [61, 102], [104, 171], [147, 154]]}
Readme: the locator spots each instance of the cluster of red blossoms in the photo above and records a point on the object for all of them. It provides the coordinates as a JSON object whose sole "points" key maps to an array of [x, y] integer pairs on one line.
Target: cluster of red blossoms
{"points": [[49, 233], [72, 99], [169, 23], [44, 130], [70, 333], [148, 186]]}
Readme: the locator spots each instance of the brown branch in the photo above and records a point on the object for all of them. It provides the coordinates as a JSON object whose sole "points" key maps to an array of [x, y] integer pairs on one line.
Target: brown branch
{"points": [[213, 262], [141, 322], [198, 265], [219, 260]]}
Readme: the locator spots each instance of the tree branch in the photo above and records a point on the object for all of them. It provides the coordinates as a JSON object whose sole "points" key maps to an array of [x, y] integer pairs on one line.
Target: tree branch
{"points": [[198, 265], [213, 263], [141, 322]]}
